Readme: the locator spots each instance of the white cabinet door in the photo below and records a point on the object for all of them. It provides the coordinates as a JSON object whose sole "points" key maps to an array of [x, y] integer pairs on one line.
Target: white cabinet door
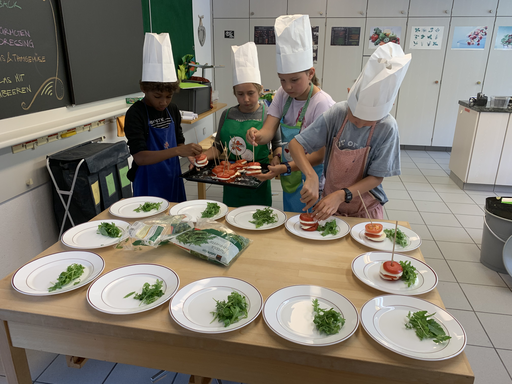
{"points": [[498, 81], [307, 7], [504, 176], [347, 8], [268, 8], [395, 26], [505, 8], [230, 9], [419, 93], [388, 8], [463, 75], [460, 158], [223, 30], [474, 7], [266, 55], [342, 64], [430, 8]]}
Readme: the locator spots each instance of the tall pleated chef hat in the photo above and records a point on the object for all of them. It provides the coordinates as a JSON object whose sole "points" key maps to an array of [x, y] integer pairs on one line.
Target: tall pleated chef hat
{"points": [[244, 59], [372, 95], [294, 43], [157, 61]]}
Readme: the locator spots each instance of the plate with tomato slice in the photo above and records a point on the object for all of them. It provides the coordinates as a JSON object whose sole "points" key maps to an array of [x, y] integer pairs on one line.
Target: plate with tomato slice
{"points": [[305, 226], [371, 235]]}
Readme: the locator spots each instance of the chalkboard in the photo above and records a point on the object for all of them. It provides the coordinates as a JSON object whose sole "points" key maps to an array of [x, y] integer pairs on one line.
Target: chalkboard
{"points": [[103, 40], [32, 67]]}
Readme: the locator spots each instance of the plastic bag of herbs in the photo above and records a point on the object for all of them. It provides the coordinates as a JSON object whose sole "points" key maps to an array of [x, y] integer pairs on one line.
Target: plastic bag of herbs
{"points": [[212, 241], [155, 231]]}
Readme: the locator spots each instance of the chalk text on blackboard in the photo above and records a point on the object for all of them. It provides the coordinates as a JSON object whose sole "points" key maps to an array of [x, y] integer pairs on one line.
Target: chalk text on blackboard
{"points": [[8, 4]]}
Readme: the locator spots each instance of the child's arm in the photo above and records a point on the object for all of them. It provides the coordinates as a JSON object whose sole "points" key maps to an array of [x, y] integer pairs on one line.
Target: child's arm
{"points": [[265, 134], [153, 157], [312, 159]]}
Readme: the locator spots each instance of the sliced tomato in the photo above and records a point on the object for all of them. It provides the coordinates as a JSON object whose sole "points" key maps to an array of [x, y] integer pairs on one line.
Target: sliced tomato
{"points": [[306, 216], [372, 235], [201, 157], [312, 228], [255, 164], [389, 277], [394, 268], [373, 227]]}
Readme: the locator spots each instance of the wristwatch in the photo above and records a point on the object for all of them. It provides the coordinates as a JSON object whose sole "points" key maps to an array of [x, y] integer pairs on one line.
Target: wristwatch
{"points": [[348, 195], [288, 169]]}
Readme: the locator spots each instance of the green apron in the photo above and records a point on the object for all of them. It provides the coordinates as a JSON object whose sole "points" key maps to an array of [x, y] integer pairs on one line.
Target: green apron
{"points": [[292, 184], [233, 132]]}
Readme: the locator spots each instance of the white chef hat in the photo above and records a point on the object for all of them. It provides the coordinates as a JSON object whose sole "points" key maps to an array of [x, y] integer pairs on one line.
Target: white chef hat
{"points": [[294, 43], [244, 59], [374, 92], [157, 61]]}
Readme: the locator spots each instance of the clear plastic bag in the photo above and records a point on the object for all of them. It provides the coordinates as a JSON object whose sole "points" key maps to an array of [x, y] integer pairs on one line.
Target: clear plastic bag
{"points": [[154, 231], [212, 241]]}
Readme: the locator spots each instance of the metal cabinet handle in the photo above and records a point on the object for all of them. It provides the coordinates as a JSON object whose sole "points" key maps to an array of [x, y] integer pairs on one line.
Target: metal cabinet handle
{"points": [[436, 82], [402, 12], [446, 11], [252, 13], [321, 13], [490, 11], [479, 82], [361, 13]]}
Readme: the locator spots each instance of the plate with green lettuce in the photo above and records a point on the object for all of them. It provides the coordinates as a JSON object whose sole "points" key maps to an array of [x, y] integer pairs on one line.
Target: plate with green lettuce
{"points": [[139, 207], [200, 209], [256, 217]]}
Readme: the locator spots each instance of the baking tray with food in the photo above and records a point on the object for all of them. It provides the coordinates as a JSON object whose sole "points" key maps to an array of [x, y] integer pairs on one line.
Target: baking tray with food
{"points": [[206, 175]]}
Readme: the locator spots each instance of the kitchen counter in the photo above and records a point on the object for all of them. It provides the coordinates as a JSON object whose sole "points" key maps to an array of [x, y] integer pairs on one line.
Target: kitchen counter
{"points": [[477, 108]]}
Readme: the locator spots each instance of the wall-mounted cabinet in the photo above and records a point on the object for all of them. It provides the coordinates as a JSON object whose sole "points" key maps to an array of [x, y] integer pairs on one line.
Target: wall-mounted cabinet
{"points": [[347, 8], [504, 8], [268, 8], [474, 7], [388, 8], [497, 81], [315, 8], [431, 8], [238, 9]]}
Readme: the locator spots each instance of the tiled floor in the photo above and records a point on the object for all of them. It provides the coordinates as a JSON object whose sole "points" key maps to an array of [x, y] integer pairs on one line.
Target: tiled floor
{"points": [[449, 221]]}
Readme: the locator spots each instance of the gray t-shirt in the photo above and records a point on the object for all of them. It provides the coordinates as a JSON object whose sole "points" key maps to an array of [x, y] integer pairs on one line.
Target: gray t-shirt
{"points": [[384, 156]]}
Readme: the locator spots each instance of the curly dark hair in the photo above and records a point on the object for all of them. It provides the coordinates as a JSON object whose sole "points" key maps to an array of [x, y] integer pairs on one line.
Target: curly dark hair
{"points": [[148, 86]]}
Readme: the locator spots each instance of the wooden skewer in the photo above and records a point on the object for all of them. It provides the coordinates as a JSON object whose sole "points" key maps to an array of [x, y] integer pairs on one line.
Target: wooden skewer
{"points": [[364, 205], [394, 243]]}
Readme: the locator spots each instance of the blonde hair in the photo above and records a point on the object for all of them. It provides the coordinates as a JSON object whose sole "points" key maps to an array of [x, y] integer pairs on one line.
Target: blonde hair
{"points": [[259, 88]]}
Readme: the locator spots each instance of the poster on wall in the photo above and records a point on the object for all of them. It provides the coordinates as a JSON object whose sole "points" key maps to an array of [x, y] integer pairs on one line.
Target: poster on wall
{"points": [[264, 35], [426, 37], [469, 37], [503, 39], [383, 35], [315, 31], [345, 36]]}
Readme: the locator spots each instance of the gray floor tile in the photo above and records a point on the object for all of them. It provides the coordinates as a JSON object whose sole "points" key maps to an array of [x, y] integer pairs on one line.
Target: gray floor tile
{"points": [[459, 251], [442, 182], [430, 249], [453, 296], [507, 279], [393, 185], [410, 216], [506, 358], [457, 235], [487, 365], [475, 273], [489, 299], [444, 219], [465, 209], [424, 160], [479, 199], [401, 205], [432, 206], [470, 221], [94, 371], [422, 231], [415, 153], [410, 172], [421, 187], [476, 234], [38, 361], [414, 178], [408, 165], [3, 380], [498, 329], [455, 198], [397, 194], [442, 269], [447, 188], [433, 172], [423, 166], [425, 196], [474, 330], [132, 374]]}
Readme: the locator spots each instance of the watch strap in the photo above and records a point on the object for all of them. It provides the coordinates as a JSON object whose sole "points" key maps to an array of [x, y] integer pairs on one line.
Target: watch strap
{"points": [[288, 169], [348, 195]]}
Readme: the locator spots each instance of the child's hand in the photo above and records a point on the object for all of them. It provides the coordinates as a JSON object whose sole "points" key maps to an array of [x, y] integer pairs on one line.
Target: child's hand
{"points": [[328, 206], [252, 136], [276, 160], [273, 171], [309, 192], [189, 150]]}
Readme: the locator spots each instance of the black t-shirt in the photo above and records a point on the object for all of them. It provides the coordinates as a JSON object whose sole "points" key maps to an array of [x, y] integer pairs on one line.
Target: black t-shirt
{"points": [[137, 128]]}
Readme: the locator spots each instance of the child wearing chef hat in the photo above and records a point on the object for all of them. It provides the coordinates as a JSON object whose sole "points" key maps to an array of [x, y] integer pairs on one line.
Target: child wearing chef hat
{"points": [[297, 103], [361, 141], [153, 126], [235, 121]]}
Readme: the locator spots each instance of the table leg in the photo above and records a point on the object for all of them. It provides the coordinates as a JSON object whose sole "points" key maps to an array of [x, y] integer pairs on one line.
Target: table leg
{"points": [[201, 190], [14, 359], [194, 379]]}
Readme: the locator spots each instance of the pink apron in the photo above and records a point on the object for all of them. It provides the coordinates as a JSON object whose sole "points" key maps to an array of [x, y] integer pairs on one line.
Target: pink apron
{"points": [[346, 167]]}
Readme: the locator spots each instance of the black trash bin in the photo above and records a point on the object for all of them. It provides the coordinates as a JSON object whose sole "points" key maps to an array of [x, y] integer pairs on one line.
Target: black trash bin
{"points": [[101, 179], [497, 229]]}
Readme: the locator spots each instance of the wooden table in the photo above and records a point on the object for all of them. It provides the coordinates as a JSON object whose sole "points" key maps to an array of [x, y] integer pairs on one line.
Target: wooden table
{"points": [[66, 323]]}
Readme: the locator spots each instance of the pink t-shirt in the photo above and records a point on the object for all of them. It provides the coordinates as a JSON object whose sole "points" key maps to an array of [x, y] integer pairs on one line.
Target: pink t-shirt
{"points": [[319, 103]]}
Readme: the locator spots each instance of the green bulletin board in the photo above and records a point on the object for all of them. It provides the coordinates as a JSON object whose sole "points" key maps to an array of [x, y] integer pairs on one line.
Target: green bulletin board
{"points": [[175, 18]]}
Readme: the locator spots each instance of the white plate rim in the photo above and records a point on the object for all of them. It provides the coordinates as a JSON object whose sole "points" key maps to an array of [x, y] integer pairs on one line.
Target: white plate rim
{"points": [[223, 208], [90, 279], [93, 224], [142, 199], [356, 229], [230, 214], [437, 309], [292, 220], [167, 296], [226, 329], [356, 312], [409, 258]]}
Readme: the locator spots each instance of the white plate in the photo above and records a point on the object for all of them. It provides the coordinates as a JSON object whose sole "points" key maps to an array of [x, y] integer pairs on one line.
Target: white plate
{"points": [[126, 208], [357, 233], [86, 236], [293, 226], [36, 277], [194, 208], [366, 267], [242, 216], [107, 294], [289, 313], [384, 319], [192, 306]]}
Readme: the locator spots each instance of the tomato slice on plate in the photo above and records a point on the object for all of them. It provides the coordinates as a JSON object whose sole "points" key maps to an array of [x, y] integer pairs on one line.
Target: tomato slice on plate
{"points": [[373, 228], [394, 268]]}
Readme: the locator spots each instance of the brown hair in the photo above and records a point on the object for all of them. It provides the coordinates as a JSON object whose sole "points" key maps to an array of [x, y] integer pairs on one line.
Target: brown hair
{"points": [[314, 80], [258, 87], [149, 86]]}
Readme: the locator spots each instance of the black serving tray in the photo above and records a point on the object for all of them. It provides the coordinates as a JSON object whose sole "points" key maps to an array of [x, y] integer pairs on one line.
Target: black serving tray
{"points": [[204, 175]]}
